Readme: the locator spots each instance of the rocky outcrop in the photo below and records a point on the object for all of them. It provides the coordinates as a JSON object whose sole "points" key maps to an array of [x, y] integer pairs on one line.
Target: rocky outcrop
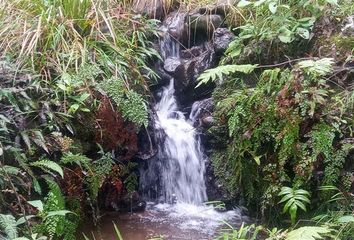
{"points": [[190, 43], [201, 113], [157, 9], [221, 39], [204, 22]]}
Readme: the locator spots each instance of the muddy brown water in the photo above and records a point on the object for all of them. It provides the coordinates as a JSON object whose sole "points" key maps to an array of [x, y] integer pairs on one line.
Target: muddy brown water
{"points": [[168, 222]]}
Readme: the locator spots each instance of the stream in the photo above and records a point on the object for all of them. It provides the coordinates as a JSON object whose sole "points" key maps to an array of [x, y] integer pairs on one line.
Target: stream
{"points": [[171, 222], [173, 182]]}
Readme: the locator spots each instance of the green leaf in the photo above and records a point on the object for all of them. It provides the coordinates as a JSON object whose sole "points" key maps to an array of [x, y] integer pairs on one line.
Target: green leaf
{"points": [[301, 191], [285, 198], [319, 67], [73, 108], [37, 204], [293, 213], [243, 3], [288, 205], [302, 198], [259, 2], [273, 6], [26, 139], [58, 213], [49, 165], [300, 205], [258, 159], [8, 226], [303, 32], [333, 2], [118, 234], [218, 72], [285, 190], [285, 35], [346, 219]]}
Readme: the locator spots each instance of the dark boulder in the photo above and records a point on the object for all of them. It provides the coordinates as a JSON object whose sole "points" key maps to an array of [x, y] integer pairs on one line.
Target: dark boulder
{"points": [[222, 38], [187, 74], [172, 64], [204, 23]]}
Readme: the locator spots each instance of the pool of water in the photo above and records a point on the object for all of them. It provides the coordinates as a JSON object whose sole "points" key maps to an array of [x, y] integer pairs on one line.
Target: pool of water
{"points": [[170, 222]]}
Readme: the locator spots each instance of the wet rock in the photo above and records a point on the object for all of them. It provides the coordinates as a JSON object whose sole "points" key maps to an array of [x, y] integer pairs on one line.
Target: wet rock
{"points": [[204, 23], [157, 9], [348, 28], [175, 24], [201, 113], [221, 39], [192, 52], [207, 121], [172, 64], [146, 140], [132, 203], [193, 67], [215, 190]]}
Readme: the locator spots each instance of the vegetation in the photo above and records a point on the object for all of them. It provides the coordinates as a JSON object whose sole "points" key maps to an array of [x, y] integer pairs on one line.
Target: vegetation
{"points": [[284, 117], [74, 94], [59, 60]]}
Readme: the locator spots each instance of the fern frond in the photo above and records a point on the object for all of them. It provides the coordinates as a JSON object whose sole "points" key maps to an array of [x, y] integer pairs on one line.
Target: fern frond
{"points": [[8, 225], [219, 72], [78, 159], [320, 67], [308, 233], [48, 165]]}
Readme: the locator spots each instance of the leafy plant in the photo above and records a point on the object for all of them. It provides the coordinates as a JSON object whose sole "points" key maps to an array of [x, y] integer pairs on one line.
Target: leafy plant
{"points": [[243, 233], [293, 200], [308, 233], [218, 72], [130, 103], [55, 222], [48, 165], [9, 226]]}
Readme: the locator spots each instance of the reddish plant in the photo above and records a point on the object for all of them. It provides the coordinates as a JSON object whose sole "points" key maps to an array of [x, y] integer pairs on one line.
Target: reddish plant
{"points": [[72, 184], [114, 133]]}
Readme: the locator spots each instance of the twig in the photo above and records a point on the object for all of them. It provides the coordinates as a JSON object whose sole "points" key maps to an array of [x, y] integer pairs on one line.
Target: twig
{"points": [[284, 63]]}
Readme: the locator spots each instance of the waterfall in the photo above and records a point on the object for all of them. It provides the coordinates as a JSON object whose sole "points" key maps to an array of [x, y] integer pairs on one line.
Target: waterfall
{"points": [[183, 168], [177, 172]]}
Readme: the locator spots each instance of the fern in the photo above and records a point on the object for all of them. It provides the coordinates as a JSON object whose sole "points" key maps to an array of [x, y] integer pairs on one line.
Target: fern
{"points": [[55, 223], [130, 103], [293, 200], [78, 159], [320, 67], [48, 165], [134, 109], [308, 233], [218, 72], [8, 225]]}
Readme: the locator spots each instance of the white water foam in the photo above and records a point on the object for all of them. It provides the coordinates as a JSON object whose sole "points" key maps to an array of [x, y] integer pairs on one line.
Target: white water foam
{"points": [[184, 167], [201, 218]]}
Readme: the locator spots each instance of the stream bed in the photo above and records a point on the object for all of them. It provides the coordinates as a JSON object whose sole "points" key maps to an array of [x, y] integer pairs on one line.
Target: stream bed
{"points": [[169, 222]]}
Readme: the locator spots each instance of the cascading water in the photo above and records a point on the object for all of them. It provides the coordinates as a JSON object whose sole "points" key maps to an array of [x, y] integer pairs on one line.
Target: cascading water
{"points": [[183, 172], [173, 180], [180, 157], [174, 177]]}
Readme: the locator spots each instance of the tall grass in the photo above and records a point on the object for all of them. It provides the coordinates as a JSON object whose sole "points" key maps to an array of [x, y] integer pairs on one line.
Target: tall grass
{"points": [[58, 36]]}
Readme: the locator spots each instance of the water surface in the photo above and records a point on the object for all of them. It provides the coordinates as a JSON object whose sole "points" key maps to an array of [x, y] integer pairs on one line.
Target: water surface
{"points": [[171, 222]]}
